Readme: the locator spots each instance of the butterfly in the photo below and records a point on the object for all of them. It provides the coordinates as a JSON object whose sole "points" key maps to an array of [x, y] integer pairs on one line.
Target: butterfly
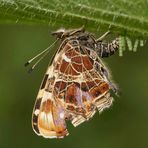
{"points": [[76, 83]]}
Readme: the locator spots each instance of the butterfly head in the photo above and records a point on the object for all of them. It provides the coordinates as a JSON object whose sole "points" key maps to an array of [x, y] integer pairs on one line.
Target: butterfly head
{"points": [[62, 33]]}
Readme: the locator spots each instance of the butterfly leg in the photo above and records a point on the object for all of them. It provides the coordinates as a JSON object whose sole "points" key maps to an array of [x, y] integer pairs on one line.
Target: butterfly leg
{"points": [[103, 36], [82, 29]]}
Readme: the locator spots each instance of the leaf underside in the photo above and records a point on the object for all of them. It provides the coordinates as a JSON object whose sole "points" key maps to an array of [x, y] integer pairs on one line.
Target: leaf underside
{"points": [[126, 17]]}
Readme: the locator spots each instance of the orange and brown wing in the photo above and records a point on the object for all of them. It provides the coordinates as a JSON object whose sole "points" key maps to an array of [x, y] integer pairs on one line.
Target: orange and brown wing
{"points": [[73, 88], [81, 84]]}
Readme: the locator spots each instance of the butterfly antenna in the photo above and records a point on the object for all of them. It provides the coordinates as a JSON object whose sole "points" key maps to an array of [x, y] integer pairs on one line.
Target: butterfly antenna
{"points": [[31, 60], [37, 62]]}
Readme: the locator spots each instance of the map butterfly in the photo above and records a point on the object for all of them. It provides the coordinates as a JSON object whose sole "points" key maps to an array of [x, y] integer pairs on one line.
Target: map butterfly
{"points": [[76, 83]]}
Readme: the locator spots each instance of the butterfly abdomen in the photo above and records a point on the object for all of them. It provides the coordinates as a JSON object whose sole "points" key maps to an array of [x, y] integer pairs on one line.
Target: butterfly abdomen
{"points": [[107, 49]]}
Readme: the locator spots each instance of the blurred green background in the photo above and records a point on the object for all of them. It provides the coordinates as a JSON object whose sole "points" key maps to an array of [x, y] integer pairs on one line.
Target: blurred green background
{"points": [[125, 124]]}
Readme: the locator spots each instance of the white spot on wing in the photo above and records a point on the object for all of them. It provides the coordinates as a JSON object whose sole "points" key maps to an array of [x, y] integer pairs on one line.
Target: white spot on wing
{"points": [[62, 115], [50, 71], [66, 58], [47, 95], [36, 112]]}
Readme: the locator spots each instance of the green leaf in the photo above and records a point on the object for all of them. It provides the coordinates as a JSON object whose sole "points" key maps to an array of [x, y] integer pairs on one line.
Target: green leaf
{"points": [[125, 17]]}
